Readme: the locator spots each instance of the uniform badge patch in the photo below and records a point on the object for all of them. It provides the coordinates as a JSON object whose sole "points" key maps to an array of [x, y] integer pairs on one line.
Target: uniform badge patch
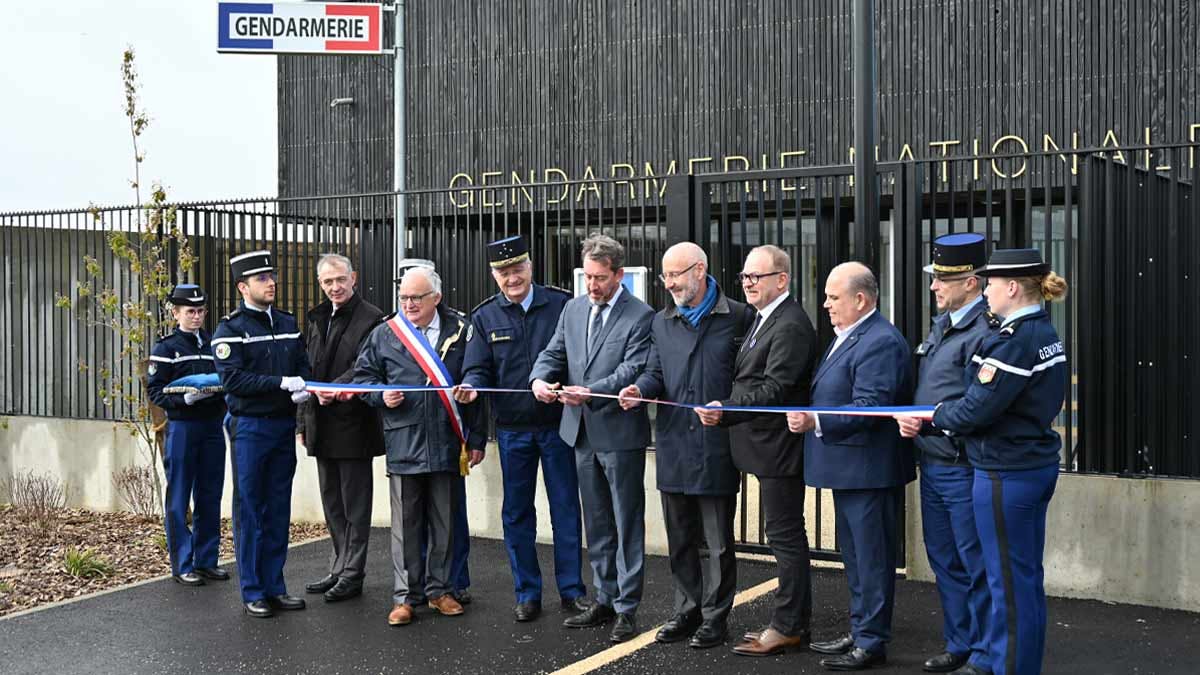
{"points": [[152, 369], [986, 373], [222, 351]]}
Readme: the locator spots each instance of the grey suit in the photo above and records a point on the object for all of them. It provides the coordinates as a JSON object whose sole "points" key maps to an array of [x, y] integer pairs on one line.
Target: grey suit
{"points": [[610, 443]]}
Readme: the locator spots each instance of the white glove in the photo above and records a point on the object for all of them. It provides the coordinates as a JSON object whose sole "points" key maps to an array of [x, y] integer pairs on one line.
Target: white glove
{"points": [[300, 396], [192, 396], [291, 384]]}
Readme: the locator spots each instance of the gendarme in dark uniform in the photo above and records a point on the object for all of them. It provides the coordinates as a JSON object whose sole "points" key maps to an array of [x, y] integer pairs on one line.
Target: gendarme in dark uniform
{"points": [[947, 513], [262, 362], [194, 457], [505, 343]]}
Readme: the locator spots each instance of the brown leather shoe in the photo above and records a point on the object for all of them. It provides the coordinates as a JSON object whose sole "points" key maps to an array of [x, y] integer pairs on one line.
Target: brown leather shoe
{"points": [[446, 605], [771, 642], [754, 635], [401, 615]]}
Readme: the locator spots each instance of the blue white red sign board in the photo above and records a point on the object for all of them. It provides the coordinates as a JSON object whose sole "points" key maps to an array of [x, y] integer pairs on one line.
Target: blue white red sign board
{"points": [[299, 27]]}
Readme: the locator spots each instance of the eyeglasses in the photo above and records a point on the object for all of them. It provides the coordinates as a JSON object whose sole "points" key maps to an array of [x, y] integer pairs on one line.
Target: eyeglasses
{"points": [[751, 279], [414, 299], [672, 276]]}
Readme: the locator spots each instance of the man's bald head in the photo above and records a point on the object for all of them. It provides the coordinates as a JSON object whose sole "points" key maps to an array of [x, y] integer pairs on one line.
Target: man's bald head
{"points": [[685, 273], [851, 292]]}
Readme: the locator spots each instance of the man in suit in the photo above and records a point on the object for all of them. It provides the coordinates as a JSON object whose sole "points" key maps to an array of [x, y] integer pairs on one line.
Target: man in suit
{"points": [[862, 459], [342, 433], [773, 368], [425, 436], [600, 345]]}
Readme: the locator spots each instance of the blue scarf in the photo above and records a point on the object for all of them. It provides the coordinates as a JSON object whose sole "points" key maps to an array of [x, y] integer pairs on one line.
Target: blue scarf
{"points": [[695, 314]]}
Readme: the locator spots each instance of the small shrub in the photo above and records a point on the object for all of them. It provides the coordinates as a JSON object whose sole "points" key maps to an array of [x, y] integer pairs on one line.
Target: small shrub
{"points": [[37, 499], [85, 564], [5, 587], [160, 540], [136, 486]]}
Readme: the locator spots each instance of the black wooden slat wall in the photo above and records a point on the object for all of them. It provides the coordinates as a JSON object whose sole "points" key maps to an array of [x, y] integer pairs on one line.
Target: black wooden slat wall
{"points": [[531, 85]]}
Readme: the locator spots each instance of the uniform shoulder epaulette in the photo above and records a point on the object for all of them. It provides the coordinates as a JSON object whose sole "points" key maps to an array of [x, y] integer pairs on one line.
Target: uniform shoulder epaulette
{"points": [[281, 311], [232, 315], [564, 291], [993, 321], [455, 312], [486, 300], [1011, 328]]}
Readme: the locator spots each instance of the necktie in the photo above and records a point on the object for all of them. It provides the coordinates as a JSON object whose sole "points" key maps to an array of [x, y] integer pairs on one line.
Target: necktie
{"points": [[753, 330], [597, 324]]}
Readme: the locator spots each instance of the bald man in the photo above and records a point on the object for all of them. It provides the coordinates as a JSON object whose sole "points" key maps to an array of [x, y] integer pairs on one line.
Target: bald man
{"points": [[693, 347]]}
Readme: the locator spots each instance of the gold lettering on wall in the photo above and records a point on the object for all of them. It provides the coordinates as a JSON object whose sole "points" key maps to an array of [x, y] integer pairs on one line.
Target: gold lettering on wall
{"points": [[516, 181], [583, 187], [783, 156], [694, 161], [554, 171], [648, 169], [468, 195], [484, 194], [1118, 156], [944, 145], [612, 171], [996, 147], [1048, 143]]}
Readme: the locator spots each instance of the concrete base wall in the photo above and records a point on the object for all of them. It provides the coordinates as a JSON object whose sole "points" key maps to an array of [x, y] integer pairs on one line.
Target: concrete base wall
{"points": [[1116, 539]]}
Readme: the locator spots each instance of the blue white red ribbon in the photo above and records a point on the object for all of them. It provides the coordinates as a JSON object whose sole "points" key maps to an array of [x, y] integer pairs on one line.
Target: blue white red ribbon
{"points": [[426, 357]]}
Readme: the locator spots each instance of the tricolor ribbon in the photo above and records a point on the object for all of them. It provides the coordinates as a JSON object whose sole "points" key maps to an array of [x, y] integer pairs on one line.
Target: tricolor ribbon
{"points": [[433, 367]]}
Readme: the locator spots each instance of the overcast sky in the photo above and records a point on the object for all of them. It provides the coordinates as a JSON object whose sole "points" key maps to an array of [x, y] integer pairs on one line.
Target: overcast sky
{"points": [[64, 139]]}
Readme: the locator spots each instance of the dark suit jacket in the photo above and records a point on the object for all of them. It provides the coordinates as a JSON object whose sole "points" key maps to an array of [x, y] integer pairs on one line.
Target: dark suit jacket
{"points": [[773, 368], [342, 429], [873, 367]]}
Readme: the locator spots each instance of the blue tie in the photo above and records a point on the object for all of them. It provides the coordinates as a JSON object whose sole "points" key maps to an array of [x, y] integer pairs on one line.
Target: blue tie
{"points": [[597, 324]]}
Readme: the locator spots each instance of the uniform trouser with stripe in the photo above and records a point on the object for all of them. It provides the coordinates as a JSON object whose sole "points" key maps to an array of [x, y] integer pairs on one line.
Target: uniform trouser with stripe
{"points": [[956, 558], [194, 464], [1010, 513], [264, 463], [520, 454]]}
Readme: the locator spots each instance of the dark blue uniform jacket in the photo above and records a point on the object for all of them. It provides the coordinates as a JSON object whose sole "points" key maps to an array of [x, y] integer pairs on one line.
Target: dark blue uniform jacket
{"points": [[254, 352], [179, 355]]}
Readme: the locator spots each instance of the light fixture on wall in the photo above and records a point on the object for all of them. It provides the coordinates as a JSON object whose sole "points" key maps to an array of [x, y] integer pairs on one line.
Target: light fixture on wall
{"points": [[341, 101]]}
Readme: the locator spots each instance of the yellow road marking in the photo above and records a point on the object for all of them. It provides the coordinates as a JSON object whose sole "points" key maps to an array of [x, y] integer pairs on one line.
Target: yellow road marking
{"points": [[601, 659]]}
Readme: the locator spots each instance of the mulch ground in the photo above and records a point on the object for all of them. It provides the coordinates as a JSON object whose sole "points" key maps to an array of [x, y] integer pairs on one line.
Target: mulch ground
{"points": [[32, 568]]}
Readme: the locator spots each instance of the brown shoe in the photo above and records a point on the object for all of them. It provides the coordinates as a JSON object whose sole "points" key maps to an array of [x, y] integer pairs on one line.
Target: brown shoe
{"points": [[754, 635], [771, 642], [401, 615], [446, 605]]}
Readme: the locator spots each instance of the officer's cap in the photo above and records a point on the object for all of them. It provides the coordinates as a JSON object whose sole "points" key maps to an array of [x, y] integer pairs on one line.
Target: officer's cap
{"points": [[508, 251], [248, 264], [189, 295], [963, 253], [1015, 262], [406, 264]]}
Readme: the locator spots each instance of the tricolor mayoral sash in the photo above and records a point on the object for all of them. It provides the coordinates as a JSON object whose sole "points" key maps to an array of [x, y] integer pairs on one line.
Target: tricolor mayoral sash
{"points": [[431, 364]]}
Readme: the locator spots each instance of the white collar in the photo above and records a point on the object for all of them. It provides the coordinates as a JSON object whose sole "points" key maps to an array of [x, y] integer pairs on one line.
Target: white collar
{"points": [[765, 312], [854, 326], [435, 324], [613, 300]]}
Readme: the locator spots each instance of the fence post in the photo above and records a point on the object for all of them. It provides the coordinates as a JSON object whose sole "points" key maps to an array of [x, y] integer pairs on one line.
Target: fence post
{"points": [[680, 208]]}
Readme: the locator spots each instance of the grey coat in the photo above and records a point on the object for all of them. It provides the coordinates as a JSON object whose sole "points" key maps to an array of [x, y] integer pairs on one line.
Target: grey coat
{"points": [[616, 359], [417, 433]]}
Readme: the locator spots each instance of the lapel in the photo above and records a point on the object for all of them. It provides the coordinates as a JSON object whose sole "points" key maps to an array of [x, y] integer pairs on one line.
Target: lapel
{"points": [[613, 315], [748, 343], [847, 346]]}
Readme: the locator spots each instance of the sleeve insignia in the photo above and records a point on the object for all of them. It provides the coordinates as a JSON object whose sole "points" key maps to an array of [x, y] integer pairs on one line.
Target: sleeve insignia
{"points": [[222, 350], [152, 369], [987, 372]]}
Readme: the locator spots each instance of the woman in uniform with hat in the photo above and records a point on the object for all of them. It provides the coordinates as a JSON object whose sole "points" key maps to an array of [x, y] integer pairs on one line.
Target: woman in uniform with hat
{"points": [[1016, 384]]}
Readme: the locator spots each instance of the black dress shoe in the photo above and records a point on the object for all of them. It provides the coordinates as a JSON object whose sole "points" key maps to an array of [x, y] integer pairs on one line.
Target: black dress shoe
{"points": [[855, 659], [945, 662], [680, 627], [259, 609], [286, 603], [321, 586], [710, 634], [838, 646], [625, 629], [577, 605], [596, 615], [344, 589], [463, 597], [188, 579], [971, 669], [527, 611], [213, 573]]}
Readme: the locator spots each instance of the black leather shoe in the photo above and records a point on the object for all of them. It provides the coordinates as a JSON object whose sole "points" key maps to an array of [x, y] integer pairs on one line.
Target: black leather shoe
{"points": [[680, 627], [527, 611], [213, 573], [971, 669], [838, 646], [321, 586], [596, 615], [188, 579], [463, 597], [286, 603], [945, 662], [344, 589], [625, 629], [259, 609], [577, 605], [710, 634], [855, 659]]}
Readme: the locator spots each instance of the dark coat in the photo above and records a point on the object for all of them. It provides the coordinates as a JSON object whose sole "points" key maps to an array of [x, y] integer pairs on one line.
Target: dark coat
{"points": [[693, 365], [772, 369], [417, 433], [254, 351], [873, 367], [343, 429]]}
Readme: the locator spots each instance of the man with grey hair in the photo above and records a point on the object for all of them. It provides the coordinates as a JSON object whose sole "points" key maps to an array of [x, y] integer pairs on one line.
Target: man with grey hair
{"points": [[342, 435], [426, 435], [600, 346]]}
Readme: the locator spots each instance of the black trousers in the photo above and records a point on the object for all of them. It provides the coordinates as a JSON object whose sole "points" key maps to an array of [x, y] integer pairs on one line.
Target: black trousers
{"points": [[346, 499], [708, 587], [783, 507]]}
